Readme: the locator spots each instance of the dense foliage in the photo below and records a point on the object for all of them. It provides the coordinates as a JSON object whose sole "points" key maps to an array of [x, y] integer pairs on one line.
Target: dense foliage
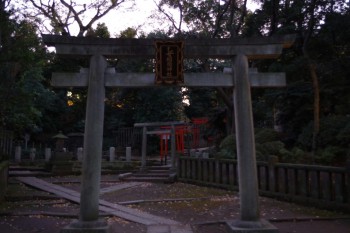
{"points": [[310, 115]]}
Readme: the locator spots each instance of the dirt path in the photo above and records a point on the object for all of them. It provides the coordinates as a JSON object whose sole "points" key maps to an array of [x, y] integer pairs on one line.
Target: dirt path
{"points": [[29, 210]]}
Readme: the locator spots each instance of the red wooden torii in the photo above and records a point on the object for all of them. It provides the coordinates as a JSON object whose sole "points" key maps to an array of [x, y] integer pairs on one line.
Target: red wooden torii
{"points": [[180, 132]]}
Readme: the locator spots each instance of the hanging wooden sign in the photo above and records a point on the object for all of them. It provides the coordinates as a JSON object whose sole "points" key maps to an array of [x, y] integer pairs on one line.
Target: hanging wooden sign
{"points": [[169, 62]]}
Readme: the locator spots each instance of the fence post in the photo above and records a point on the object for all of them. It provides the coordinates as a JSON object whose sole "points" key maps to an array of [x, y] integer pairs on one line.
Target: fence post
{"points": [[111, 154], [217, 171], [18, 153], [47, 154], [273, 160]]}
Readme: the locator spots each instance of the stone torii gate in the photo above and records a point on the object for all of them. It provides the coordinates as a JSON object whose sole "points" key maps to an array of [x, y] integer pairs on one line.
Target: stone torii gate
{"points": [[97, 77]]}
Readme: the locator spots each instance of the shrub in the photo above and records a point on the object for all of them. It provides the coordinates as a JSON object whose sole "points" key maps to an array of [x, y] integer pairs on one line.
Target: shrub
{"points": [[334, 130], [331, 155], [265, 135], [227, 147]]}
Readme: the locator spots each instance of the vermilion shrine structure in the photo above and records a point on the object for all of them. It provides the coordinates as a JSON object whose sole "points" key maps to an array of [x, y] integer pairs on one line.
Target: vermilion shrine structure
{"points": [[98, 76]]}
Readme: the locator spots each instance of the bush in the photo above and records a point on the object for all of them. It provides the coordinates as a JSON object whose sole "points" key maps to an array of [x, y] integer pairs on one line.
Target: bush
{"points": [[331, 155], [227, 148], [265, 135], [334, 130], [264, 150]]}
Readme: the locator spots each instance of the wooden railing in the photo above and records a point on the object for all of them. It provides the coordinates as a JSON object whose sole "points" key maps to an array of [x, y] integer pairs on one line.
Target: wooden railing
{"points": [[320, 186]]}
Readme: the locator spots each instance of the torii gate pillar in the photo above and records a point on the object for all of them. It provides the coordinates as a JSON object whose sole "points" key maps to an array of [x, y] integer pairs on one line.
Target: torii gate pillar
{"points": [[249, 219], [91, 173]]}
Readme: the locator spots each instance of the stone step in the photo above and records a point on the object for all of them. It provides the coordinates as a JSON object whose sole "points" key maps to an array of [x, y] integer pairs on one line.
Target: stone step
{"points": [[148, 179], [151, 174], [162, 228], [20, 168], [158, 171], [22, 173], [159, 167]]}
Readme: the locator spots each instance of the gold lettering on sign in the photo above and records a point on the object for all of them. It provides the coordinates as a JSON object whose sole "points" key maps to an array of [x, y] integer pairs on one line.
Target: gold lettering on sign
{"points": [[169, 62]]}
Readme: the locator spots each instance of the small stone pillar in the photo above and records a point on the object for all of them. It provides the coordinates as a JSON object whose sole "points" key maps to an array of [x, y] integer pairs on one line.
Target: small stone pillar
{"points": [[111, 154], [144, 147], [47, 154], [32, 154], [80, 154], [128, 154], [18, 153]]}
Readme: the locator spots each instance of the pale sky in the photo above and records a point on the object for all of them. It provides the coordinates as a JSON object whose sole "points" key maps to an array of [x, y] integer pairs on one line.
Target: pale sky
{"points": [[139, 17]]}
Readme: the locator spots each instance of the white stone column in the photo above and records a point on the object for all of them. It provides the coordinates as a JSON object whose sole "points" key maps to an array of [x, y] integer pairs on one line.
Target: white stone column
{"points": [[18, 153], [91, 172], [144, 147], [32, 154], [47, 154], [80, 154], [111, 154], [128, 154]]}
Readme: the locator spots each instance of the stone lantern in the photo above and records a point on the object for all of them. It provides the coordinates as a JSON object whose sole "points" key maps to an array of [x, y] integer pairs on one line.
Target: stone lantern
{"points": [[60, 141], [61, 163]]}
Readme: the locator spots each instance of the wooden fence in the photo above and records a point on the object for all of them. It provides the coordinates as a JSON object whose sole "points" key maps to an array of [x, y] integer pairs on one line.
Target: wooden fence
{"points": [[6, 138], [128, 136], [320, 186]]}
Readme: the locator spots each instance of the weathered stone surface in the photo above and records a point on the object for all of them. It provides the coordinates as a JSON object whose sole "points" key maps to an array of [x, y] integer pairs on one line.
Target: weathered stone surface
{"points": [[254, 48], [143, 80], [87, 227], [261, 226]]}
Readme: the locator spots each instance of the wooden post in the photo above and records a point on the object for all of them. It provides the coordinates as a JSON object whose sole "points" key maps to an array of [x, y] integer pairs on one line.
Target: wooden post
{"points": [[272, 175], [173, 148]]}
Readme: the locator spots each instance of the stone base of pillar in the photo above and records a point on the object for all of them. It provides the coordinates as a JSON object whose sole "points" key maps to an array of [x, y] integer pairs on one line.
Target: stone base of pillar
{"points": [[262, 226], [87, 227]]}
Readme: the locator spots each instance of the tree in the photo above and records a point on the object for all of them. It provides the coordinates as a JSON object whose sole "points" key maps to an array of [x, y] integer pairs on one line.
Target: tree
{"points": [[100, 31], [311, 64], [213, 19], [62, 14], [24, 97]]}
